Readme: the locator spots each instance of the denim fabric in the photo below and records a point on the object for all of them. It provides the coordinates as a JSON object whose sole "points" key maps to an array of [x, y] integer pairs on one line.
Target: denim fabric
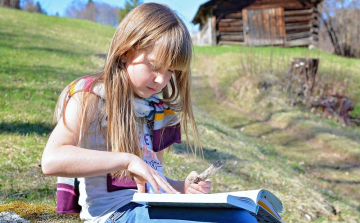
{"points": [[134, 212]]}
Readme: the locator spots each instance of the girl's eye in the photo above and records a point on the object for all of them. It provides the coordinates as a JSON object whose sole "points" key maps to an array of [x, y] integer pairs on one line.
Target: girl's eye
{"points": [[171, 71], [154, 67]]}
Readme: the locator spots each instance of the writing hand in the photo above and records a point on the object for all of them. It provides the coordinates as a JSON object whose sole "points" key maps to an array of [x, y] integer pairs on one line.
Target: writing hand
{"points": [[143, 173], [203, 187]]}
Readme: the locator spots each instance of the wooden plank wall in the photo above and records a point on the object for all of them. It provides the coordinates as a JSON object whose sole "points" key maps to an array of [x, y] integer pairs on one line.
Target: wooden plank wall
{"points": [[302, 27], [301, 21]]}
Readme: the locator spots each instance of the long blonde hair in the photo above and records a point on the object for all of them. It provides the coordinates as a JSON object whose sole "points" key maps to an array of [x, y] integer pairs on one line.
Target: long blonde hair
{"points": [[150, 25]]}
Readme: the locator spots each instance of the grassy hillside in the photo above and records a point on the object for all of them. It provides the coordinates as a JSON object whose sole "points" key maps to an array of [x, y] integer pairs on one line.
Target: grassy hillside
{"points": [[316, 159], [39, 56], [311, 164]]}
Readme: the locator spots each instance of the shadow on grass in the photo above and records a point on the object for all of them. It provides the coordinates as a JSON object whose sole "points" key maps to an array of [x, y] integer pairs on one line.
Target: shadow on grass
{"points": [[11, 40], [25, 128]]}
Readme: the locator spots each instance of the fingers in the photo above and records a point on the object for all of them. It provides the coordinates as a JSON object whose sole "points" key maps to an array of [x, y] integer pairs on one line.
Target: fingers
{"points": [[143, 173], [141, 187], [203, 187], [193, 174], [156, 181], [161, 182]]}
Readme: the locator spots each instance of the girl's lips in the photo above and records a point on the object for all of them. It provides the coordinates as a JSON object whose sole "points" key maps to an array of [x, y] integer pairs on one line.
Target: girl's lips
{"points": [[152, 89]]}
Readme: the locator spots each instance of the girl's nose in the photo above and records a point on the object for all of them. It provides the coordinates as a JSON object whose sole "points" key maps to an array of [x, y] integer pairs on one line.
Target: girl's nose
{"points": [[159, 79]]}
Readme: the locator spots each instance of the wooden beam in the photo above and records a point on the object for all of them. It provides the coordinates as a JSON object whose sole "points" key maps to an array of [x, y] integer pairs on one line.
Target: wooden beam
{"points": [[298, 12], [213, 30], [237, 43], [229, 24], [231, 29], [234, 15], [230, 33], [232, 38], [299, 42], [298, 19], [296, 26], [301, 35], [229, 20]]}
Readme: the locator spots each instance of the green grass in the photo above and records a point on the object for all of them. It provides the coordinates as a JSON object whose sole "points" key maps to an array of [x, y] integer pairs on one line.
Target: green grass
{"points": [[39, 56], [310, 163], [316, 158]]}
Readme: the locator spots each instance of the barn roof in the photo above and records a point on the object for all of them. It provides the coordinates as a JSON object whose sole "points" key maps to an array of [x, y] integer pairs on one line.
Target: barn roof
{"points": [[206, 8]]}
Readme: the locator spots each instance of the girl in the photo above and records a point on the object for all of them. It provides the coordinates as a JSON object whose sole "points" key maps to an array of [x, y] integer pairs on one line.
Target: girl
{"points": [[112, 127]]}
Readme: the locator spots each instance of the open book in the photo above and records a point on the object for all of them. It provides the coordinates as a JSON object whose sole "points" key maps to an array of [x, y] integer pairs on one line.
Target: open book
{"points": [[262, 204]]}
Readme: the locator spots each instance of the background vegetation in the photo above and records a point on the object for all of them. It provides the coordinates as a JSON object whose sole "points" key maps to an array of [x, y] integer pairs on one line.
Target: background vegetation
{"points": [[312, 164]]}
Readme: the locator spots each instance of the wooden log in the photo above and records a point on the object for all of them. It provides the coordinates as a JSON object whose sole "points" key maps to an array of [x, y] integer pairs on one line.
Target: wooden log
{"points": [[223, 24], [237, 43], [295, 24], [229, 33], [229, 24], [298, 19], [222, 20], [301, 35], [299, 12], [307, 26], [231, 38], [231, 29], [299, 42], [234, 15], [314, 31]]}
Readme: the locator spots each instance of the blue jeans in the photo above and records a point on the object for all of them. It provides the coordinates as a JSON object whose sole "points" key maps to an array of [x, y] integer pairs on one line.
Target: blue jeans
{"points": [[134, 212]]}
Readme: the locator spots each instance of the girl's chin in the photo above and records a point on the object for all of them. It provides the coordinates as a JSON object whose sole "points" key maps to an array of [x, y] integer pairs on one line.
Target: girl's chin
{"points": [[143, 95]]}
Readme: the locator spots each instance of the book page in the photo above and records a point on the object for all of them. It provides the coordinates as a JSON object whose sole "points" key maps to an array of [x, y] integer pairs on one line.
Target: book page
{"points": [[221, 200], [252, 194], [264, 216], [275, 201], [266, 205]]}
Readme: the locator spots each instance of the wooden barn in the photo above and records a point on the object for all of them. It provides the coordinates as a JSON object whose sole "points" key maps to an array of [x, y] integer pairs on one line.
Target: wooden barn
{"points": [[258, 22]]}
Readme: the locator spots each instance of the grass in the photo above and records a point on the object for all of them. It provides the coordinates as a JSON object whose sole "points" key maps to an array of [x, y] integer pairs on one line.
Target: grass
{"points": [[310, 163], [39, 56], [318, 155]]}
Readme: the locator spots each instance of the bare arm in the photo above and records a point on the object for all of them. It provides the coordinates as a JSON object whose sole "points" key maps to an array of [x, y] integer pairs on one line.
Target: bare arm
{"points": [[62, 156]]}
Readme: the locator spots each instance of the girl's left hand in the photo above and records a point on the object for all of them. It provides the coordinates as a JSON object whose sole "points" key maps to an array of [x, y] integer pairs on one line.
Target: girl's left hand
{"points": [[203, 187]]}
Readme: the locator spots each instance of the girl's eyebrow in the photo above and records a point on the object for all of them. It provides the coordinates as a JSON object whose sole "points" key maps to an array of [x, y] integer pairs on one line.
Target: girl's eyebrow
{"points": [[155, 62]]}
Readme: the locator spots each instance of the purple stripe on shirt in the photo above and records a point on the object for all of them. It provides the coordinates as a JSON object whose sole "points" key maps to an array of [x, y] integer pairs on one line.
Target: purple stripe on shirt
{"points": [[163, 139], [114, 184], [67, 199]]}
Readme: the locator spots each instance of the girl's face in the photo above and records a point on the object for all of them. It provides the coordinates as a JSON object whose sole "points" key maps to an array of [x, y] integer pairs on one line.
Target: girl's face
{"points": [[147, 76]]}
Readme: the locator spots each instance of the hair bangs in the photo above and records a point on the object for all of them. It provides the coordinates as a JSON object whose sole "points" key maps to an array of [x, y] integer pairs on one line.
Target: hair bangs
{"points": [[173, 51]]}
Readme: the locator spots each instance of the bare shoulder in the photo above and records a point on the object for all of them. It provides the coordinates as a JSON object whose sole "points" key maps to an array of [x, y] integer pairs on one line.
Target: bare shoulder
{"points": [[69, 127], [83, 103]]}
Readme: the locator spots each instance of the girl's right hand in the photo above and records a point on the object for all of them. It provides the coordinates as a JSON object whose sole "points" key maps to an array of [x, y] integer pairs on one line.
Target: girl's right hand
{"points": [[143, 173]]}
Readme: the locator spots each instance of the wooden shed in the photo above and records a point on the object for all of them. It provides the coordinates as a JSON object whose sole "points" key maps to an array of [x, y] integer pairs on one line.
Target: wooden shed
{"points": [[258, 22]]}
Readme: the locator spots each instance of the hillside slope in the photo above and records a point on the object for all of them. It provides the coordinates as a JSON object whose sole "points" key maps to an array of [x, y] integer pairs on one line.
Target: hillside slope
{"points": [[321, 154], [40, 55]]}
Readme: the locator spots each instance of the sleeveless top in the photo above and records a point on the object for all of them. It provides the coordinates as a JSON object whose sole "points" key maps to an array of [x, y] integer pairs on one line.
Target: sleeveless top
{"points": [[98, 197]]}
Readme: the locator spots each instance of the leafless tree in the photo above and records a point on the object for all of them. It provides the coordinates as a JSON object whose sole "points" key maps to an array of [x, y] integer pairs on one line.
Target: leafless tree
{"points": [[10, 4], [93, 11], [107, 14], [341, 21], [31, 6]]}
